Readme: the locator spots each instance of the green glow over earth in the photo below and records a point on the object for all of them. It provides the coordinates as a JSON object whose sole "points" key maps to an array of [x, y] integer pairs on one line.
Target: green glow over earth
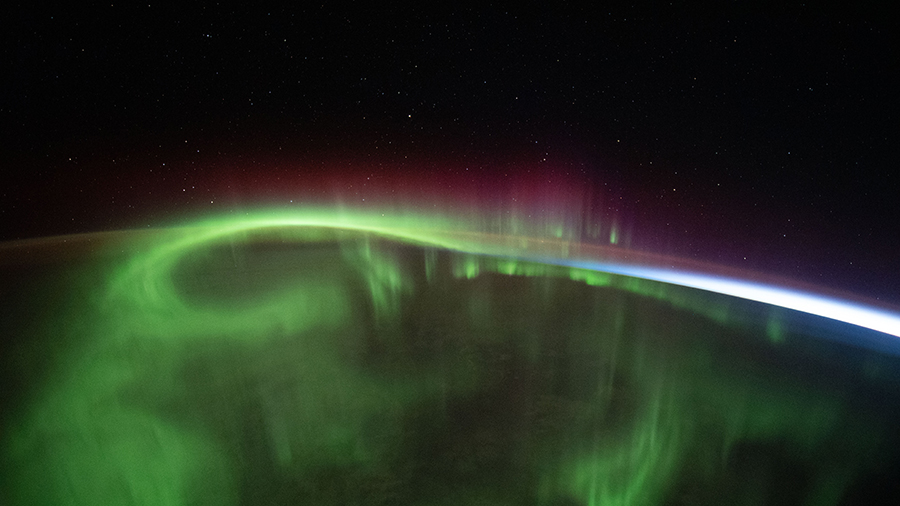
{"points": [[340, 357]]}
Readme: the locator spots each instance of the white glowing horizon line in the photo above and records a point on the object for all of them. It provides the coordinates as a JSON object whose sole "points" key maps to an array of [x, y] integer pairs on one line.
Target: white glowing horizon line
{"points": [[827, 307]]}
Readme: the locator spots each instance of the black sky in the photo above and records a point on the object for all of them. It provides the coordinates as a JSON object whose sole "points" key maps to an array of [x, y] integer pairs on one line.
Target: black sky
{"points": [[753, 137]]}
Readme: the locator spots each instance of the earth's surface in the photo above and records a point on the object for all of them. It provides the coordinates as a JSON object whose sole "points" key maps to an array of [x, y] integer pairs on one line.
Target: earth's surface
{"points": [[341, 367]]}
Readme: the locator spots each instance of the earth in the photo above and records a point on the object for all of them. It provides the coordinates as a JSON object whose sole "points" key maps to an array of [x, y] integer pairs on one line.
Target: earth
{"points": [[327, 365]]}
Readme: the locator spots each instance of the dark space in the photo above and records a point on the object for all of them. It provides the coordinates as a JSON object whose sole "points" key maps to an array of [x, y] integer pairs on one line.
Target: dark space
{"points": [[751, 136]]}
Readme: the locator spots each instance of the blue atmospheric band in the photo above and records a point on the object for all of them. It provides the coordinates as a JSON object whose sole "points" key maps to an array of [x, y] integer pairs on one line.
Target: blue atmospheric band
{"points": [[871, 318]]}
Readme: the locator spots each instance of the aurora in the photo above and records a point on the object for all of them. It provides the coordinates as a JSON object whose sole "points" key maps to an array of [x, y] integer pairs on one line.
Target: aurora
{"points": [[339, 356]]}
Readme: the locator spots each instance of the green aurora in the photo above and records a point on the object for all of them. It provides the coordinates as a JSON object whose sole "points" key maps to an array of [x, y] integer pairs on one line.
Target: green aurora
{"points": [[353, 358]]}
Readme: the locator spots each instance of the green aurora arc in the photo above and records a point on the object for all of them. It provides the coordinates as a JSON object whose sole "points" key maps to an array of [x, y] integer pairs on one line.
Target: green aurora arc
{"points": [[349, 357]]}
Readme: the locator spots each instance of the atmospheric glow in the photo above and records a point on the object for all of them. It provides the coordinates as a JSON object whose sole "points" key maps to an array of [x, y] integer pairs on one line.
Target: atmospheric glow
{"points": [[844, 311], [457, 235]]}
